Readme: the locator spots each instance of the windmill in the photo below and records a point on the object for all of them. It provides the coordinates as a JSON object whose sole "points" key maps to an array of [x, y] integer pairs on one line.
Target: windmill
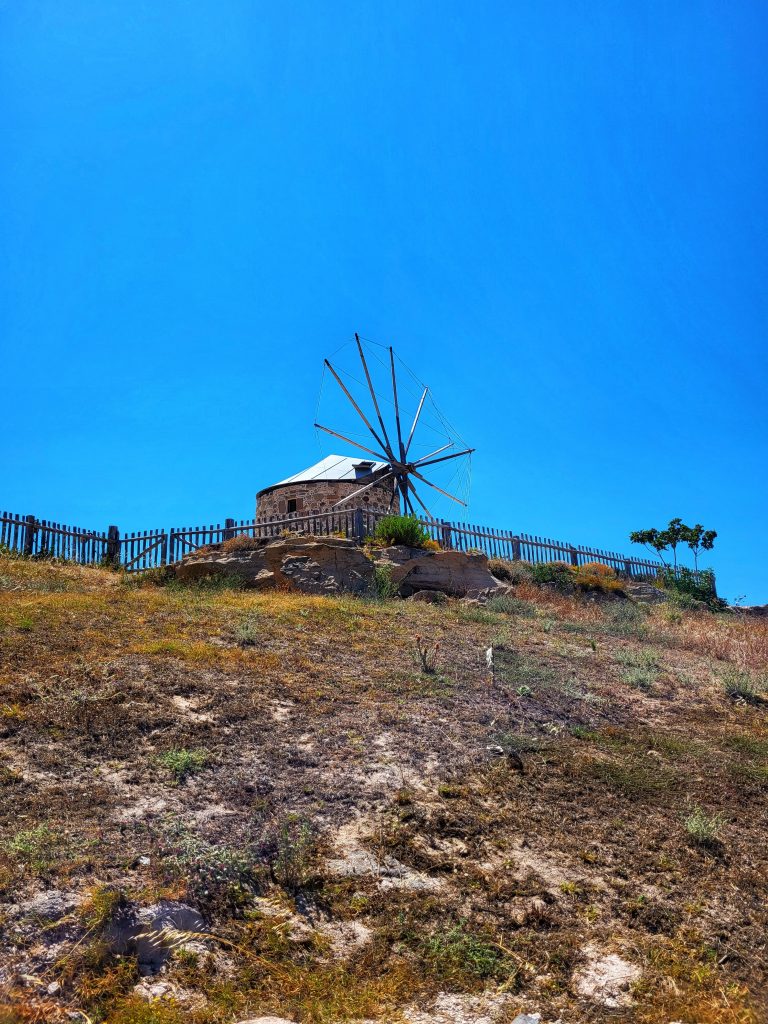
{"points": [[402, 468]]}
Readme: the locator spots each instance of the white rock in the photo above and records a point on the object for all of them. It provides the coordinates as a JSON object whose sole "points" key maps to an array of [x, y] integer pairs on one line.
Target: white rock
{"points": [[606, 978], [266, 1020]]}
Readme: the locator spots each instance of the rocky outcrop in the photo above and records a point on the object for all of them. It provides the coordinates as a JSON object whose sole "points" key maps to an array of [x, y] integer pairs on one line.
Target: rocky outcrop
{"points": [[312, 565], [455, 573]]}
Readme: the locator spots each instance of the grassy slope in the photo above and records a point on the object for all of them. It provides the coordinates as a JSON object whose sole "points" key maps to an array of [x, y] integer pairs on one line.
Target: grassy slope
{"points": [[308, 714]]}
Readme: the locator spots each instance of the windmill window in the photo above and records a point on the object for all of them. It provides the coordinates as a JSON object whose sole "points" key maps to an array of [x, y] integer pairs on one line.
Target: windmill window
{"points": [[291, 505]]}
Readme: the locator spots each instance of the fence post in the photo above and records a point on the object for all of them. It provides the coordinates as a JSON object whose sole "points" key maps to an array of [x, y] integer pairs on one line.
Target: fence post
{"points": [[515, 549], [446, 536], [164, 549], [29, 534], [113, 546], [574, 556], [359, 526], [628, 568], [229, 529]]}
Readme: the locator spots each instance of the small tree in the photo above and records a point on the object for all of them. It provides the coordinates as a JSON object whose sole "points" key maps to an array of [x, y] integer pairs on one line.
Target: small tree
{"points": [[696, 537], [674, 534], [698, 540], [653, 539]]}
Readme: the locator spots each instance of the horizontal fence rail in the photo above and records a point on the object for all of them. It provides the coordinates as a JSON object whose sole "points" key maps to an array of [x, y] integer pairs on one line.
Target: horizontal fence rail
{"points": [[150, 549]]}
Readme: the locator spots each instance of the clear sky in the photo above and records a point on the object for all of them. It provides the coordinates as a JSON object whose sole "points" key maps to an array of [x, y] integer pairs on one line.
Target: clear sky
{"points": [[555, 211]]}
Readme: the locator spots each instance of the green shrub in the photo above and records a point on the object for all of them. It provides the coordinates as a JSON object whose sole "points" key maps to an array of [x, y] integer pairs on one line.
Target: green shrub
{"points": [[401, 530], [560, 574], [688, 587]]}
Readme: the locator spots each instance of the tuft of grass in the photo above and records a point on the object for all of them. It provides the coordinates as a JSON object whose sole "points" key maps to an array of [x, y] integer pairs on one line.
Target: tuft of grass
{"points": [[247, 632], [640, 678], [382, 584], [508, 605], [741, 685], [704, 828], [215, 582], [182, 763], [289, 847], [100, 907], [634, 776]]}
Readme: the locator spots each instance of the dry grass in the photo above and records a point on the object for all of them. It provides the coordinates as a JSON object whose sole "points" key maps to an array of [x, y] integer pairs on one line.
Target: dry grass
{"points": [[548, 803]]}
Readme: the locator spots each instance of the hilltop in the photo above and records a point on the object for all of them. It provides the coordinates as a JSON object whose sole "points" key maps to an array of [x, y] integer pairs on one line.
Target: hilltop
{"points": [[338, 810]]}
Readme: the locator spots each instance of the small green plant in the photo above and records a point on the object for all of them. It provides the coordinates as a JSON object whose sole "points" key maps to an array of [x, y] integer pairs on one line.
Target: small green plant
{"points": [[427, 654], [382, 584], [704, 828], [455, 952], [508, 605], [247, 632], [213, 874], [289, 846], [35, 848], [401, 530], [182, 763], [640, 678]]}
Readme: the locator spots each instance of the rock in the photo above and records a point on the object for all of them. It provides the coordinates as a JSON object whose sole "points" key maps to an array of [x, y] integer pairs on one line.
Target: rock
{"points": [[149, 991], [429, 596], [527, 1018], [455, 573], [397, 554], [450, 1008], [312, 565], [644, 591], [345, 937], [54, 988], [150, 931], [267, 1020], [51, 905], [606, 978], [758, 610]]}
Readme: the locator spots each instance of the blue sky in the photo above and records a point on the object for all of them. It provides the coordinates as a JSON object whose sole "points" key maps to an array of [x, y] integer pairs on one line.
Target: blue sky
{"points": [[556, 212]]}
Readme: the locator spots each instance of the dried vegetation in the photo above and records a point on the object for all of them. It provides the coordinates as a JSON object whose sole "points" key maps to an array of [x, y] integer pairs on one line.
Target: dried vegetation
{"points": [[362, 827]]}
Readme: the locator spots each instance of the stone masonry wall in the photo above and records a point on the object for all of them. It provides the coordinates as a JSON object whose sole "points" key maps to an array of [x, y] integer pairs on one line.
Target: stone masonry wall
{"points": [[316, 496]]}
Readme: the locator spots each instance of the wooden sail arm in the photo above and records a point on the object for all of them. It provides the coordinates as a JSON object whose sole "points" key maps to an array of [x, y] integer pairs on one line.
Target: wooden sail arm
{"points": [[362, 490], [436, 488], [415, 421], [373, 393], [358, 410], [453, 455], [355, 444]]}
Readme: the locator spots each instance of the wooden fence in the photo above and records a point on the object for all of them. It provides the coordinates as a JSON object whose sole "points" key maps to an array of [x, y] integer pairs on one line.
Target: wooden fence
{"points": [[151, 548]]}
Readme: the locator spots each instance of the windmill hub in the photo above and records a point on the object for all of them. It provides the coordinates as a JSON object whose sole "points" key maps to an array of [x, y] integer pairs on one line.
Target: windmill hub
{"points": [[399, 470]]}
